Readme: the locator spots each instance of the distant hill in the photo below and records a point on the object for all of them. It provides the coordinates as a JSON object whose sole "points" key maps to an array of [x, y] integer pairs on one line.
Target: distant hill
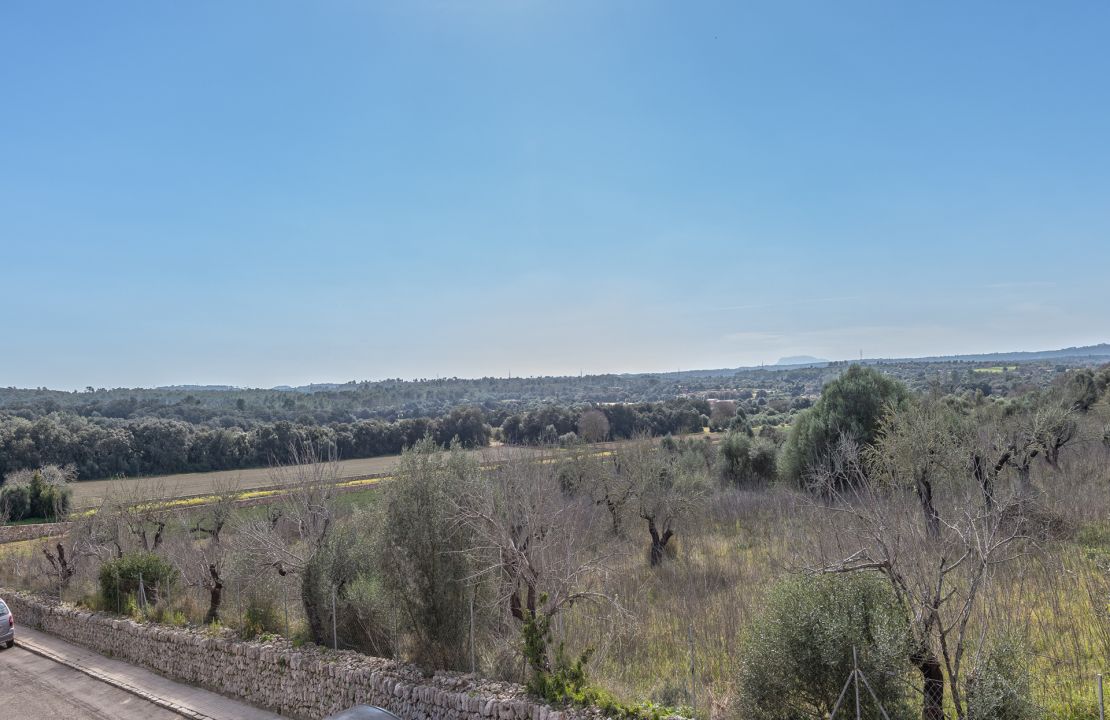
{"points": [[801, 360], [792, 362], [1086, 351]]}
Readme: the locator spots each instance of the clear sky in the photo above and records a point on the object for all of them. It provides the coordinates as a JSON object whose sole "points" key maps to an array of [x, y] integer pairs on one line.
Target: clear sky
{"points": [[261, 193]]}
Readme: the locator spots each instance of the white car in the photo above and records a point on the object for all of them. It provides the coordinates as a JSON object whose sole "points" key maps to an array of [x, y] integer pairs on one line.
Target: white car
{"points": [[7, 626]]}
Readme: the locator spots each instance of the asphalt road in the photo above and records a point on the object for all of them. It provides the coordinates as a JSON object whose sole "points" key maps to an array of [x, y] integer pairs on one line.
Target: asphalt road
{"points": [[34, 688]]}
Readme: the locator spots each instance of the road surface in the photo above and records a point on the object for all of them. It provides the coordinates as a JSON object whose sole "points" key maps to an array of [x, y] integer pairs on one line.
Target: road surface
{"points": [[47, 678], [34, 688]]}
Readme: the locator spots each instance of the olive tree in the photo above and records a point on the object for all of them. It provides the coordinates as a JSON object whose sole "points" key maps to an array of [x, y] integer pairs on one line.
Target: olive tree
{"points": [[670, 488], [297, 526], [540, 549], [922, 519], [852, 405], [593, 426], [797, 655], [421, 546]]}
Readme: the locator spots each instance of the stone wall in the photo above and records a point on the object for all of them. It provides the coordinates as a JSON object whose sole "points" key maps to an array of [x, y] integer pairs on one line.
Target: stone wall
{"points": [[15, 533], [307, 683]]}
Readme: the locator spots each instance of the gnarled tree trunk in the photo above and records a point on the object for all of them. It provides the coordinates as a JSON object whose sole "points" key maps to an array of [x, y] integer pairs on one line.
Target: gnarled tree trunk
{"points": [[932, 675], [658, 542], [215, 595]]}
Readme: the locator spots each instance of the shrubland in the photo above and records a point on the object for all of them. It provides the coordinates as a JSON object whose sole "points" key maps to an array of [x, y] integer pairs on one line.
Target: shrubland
{"points": [[956, 546]]}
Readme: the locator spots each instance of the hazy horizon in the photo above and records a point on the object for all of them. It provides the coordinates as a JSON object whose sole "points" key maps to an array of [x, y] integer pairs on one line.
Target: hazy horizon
{"points": [[250, 195], [801, 358]]}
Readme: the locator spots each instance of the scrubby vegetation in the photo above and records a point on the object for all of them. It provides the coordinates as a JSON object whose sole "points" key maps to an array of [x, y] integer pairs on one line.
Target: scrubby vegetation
{"points": [[954, 546], [103, 433], [40, 494]]}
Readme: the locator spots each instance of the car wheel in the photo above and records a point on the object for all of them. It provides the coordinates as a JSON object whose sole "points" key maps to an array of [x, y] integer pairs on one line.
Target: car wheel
{"points": [[10, 644]]}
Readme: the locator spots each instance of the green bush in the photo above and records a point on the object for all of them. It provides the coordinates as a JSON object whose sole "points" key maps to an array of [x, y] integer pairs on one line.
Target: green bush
{"points": [[999, 686], [562, 680], [15, 502], [733, 458], [345, 565], [420, 566], [119, 579], [260, 617], [797, 656], [853, 404], [763, 456], [35, 497], [745, 461]]}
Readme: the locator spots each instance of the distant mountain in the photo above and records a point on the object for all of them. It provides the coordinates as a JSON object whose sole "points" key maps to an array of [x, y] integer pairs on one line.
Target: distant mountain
{"points": [[801, 360]]}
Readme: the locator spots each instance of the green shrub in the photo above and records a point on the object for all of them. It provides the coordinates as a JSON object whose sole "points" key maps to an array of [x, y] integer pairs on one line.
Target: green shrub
{"points": [[260, 618], [797, 656], [853, 404], [562, 680], [119, 579], [733, 458], [344, 565], [420, 565], [999, 686], [40, 493], [763, 456], [15, 502]]}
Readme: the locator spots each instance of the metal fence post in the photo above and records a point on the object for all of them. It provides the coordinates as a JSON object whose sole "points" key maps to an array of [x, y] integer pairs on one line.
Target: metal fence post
{"points": [[693, 671], [1101, 705]]}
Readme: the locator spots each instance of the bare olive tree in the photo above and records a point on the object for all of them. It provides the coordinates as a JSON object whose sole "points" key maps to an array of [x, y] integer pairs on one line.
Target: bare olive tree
{"points": [[593, 426], [297, 526], [298, 522], [540, 548], [600, 479], [134, 515], [200, 554], [924, 518], [1054, 427], [668, 488]]}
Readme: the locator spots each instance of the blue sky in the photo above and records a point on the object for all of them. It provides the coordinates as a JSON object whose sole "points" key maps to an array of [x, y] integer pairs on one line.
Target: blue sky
{"points": [[269, 192]]}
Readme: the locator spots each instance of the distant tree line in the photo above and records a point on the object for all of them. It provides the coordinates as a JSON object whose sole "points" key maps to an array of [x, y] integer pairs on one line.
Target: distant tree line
{"points": [[395, 399], [104, 447], [552, 423]]}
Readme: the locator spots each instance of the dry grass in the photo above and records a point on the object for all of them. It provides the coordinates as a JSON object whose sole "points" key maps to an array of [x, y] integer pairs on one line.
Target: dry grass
{"points": [[90, 493], [680, 641]]}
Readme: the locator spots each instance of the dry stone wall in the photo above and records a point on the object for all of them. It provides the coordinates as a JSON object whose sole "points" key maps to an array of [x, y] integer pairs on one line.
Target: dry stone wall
{"points": [[307, 683], [16, 533]]}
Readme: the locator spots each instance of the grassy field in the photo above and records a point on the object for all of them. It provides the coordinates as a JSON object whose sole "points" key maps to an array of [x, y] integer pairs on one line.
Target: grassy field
{"points": [[680, 637], [89, 493]]}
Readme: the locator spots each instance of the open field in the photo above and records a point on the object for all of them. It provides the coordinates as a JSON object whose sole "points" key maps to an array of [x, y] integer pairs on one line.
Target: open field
{"points": [[89, 493]]}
